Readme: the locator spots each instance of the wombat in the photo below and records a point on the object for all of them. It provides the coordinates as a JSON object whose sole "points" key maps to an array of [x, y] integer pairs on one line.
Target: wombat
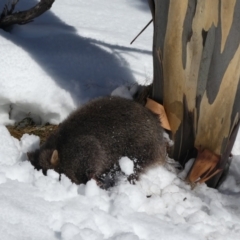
{"points": [[90, 142]]}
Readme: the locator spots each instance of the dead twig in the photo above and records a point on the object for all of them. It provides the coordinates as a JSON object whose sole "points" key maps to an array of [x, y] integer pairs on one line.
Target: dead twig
{"points": [[141, 31], [9, 18]]}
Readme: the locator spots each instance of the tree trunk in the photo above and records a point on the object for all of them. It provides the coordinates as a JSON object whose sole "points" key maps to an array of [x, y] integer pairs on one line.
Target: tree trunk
{"points": [[199, 44]]}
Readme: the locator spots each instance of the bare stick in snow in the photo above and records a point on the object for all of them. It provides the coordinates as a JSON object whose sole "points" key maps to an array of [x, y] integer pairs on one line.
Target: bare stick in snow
{"points": [[9, 18]]}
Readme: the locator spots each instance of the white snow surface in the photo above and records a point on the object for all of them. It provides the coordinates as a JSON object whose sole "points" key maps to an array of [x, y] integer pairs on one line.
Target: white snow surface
{"points": [[77, 51], [126, 165]]}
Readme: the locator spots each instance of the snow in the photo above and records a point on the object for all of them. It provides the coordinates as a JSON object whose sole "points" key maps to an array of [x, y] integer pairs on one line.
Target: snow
{"points": [[125, 91], [126, 165], [77, 51]]}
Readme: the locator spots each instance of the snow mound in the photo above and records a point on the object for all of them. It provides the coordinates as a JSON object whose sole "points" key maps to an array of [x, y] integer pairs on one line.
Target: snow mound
{"points": [[159, 206], [126, 165]]}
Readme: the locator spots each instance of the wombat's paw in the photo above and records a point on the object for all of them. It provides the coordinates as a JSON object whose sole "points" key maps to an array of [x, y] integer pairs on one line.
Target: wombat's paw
{"points": [[91, 175], [132, 178], [99, 182], [104, 181], [172, 165]]}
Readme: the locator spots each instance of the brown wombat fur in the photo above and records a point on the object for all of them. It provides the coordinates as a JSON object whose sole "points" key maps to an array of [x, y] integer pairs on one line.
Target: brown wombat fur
{"points": [[89, 143]]}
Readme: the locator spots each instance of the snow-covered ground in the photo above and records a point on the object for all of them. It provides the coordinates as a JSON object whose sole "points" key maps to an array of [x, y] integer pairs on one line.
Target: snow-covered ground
{"points": [[79, 50]]}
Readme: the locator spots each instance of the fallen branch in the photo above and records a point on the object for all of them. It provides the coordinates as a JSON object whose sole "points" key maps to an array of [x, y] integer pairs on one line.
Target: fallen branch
{"points": [[8, 18]]}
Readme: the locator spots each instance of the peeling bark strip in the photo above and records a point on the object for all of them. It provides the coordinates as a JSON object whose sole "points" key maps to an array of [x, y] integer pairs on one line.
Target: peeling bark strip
{"points": [[8, 18], [200, 44]]}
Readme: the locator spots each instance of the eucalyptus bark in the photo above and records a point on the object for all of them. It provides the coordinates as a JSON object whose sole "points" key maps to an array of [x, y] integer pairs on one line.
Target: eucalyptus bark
{"points": [[197, 79]]}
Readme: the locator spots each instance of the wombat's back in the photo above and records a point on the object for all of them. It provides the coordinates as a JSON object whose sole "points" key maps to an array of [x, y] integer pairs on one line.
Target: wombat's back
{"points": [[117, 126], [89, 143], [114, 121]]}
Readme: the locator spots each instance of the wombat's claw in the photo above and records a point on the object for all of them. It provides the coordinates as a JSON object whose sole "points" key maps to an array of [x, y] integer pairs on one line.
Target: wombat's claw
{"points": [[204, 167], [103, 183], [131, 178]]}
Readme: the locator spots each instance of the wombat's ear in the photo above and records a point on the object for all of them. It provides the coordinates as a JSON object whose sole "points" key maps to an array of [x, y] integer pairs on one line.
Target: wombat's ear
{"points": [[54, 159]]}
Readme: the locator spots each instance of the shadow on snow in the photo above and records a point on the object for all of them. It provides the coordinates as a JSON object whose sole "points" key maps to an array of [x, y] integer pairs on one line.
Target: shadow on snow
{"points": [[74, 62]]}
